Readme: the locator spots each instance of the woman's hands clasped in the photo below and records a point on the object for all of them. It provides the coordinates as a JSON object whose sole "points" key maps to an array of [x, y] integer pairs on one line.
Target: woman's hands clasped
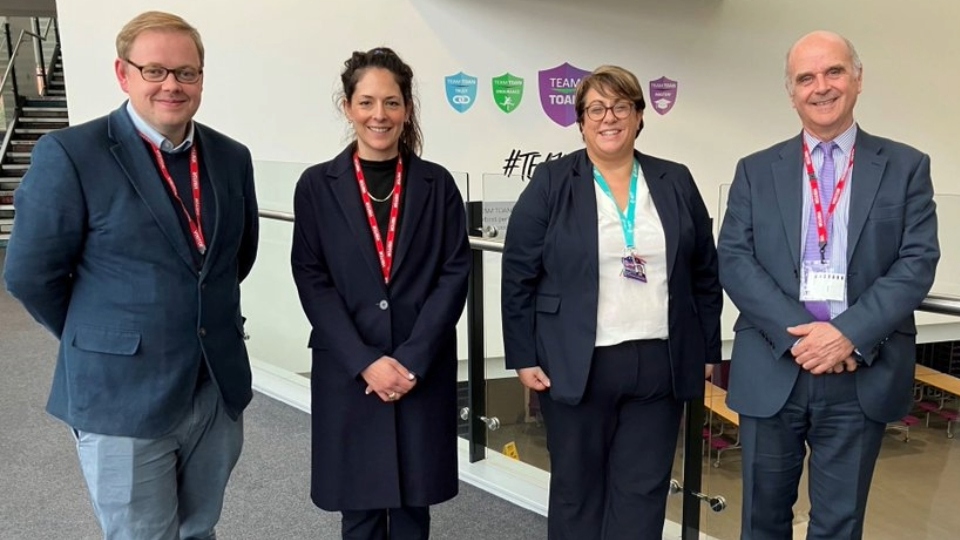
{"points": [[389, 379]]}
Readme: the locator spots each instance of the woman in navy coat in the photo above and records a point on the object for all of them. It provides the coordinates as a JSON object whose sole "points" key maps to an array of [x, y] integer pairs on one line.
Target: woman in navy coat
{"points": [[381, 259]]}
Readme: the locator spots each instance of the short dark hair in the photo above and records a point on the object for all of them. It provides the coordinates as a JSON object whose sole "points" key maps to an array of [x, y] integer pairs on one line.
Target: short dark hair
{"points": [[611, 81]]}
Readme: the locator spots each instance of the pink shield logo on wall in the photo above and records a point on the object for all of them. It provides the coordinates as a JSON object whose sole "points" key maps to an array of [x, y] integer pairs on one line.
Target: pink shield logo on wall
{"points": [[663, 94]]}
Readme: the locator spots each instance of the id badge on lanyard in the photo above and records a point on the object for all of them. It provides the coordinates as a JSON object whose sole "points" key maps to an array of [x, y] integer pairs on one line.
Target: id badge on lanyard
{"points": [[634, 267], [819, 280]]}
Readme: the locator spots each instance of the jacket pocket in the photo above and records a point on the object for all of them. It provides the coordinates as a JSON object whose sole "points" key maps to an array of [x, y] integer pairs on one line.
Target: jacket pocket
{"points": [[547, 303], [106, 340], [880, 213]]}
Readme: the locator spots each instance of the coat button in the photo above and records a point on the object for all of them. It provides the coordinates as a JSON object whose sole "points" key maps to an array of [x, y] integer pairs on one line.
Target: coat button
{"points": [[202, 332], [384, 305]]}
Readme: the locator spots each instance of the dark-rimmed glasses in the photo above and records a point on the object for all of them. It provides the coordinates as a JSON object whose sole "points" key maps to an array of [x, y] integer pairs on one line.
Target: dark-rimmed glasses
{"points": [[621, 109], [154, 73]]}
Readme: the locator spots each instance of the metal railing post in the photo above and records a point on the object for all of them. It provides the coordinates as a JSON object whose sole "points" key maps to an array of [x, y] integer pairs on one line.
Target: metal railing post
{"points": [[692, 469], [13, 69], [38, 52], [476, 380]]}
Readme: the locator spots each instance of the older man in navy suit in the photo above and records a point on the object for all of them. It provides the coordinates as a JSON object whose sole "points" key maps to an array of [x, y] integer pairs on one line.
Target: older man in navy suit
{"points": [[828, 245], [132, 235]]}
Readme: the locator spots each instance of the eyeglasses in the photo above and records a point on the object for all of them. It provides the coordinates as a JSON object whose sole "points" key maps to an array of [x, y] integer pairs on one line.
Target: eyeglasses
{"points": [[154, 73], [621, 109]]}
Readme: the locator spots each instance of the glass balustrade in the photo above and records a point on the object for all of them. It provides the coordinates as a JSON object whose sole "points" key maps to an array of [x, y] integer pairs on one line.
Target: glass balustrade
{"points": [[918, 473]]}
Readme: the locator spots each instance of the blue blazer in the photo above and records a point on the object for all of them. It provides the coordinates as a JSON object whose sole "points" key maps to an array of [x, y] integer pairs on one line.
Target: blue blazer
{"points": [[99, 258], [892, 254], [367, 453], [550, 275]]}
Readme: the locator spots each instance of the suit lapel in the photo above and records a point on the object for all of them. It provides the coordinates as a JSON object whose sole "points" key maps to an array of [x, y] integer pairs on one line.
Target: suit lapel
{"points": [[787, 183], [417, 191], [343, 183], [868, 167], [664, 196], [210, 166], [584, 201], [135, 161]]}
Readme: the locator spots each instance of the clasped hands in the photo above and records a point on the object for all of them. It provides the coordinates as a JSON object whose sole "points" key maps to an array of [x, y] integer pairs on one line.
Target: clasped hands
{"points": [[388, 378], [821, 348]]}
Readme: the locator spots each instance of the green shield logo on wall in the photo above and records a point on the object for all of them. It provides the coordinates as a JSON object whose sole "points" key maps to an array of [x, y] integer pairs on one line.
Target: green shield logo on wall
{"points": [[507, 92]]}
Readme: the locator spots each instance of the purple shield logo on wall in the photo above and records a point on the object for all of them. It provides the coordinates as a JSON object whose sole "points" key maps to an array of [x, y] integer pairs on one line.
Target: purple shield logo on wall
{"points": [[663, 94], [557, 88]]}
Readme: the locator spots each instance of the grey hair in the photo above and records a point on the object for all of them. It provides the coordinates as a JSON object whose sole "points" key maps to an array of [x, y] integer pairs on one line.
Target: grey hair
{"points": [[854, 58]]}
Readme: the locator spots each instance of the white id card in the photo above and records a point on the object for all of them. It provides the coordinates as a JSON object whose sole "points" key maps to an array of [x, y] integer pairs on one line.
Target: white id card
{"points": [[820, 283]]}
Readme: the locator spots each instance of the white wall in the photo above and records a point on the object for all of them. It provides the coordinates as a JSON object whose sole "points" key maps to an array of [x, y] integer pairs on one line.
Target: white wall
{"points": [[272, 69]]}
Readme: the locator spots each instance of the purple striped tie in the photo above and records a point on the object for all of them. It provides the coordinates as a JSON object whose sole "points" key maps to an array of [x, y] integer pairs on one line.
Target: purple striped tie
{"points": [[826, 180]]}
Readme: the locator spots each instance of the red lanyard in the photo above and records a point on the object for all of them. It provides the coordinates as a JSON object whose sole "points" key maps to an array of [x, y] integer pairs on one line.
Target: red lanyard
{"points": [[196, 228], [815, 193], [384, 254]]}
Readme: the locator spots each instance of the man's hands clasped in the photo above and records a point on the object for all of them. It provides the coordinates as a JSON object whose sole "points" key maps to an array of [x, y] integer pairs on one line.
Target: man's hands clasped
{"points": [[821, 348]]}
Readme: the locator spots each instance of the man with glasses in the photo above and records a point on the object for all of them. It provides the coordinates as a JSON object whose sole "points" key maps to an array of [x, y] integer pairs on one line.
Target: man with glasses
{"points": [[133, 233], [828, 245]]}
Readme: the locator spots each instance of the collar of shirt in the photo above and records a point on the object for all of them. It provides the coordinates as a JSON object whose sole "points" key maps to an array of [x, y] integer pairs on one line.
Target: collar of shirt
{"points": [[156, 137], [844, 141]]}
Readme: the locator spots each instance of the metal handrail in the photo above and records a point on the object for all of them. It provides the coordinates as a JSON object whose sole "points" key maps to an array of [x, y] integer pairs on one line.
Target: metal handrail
{"points": [[47, 31], [13, 58], [942, 304], [933, 303], [480, 244]]}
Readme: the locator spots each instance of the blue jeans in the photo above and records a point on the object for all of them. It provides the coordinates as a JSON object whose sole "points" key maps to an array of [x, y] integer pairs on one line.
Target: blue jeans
{"points": [[167, 488]]}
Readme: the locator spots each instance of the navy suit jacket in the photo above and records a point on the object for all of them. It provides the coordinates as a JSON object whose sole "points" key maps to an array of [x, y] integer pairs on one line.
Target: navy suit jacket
{"points": [[892, 254], [550, 275], [99, 258], [368, 453]]}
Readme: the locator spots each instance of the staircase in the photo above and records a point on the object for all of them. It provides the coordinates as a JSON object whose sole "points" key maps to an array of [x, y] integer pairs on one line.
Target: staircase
{"points": [[35, 117]]}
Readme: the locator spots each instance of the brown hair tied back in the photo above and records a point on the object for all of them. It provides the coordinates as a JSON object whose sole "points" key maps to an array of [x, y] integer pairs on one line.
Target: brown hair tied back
{"points": [[411, 139]]}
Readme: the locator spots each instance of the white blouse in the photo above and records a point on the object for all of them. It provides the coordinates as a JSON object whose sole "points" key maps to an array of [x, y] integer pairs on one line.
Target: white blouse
{"points": [[628, 309]]}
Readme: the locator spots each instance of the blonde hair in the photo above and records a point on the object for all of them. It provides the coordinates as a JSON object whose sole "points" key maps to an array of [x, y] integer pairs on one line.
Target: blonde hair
{"points": [[155, 21]]}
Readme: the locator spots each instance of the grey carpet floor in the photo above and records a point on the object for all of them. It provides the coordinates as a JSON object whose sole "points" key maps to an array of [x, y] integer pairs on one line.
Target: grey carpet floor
{"points": [[43, 496]]}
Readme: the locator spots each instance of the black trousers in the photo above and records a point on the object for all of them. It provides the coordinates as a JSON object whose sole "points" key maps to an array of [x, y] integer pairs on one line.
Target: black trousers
{"points": [[823, 411], [404, 523], [611, 454]]}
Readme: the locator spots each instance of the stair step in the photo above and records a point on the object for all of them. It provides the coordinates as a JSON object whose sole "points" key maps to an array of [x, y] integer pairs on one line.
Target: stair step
{"points": [[44, 127], [9, 184], [10, 167], [29, 134], [44, 111], [42, 120], [22, 146], [18, 159], [45, 101]]}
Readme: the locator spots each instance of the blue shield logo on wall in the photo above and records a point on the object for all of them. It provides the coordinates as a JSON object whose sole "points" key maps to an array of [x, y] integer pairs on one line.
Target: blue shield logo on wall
{"points": [[557, 88], [461, 91]]}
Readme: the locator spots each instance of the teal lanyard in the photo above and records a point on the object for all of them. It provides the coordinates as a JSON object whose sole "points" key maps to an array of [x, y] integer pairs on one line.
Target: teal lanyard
{"points": [[626, 221]]}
